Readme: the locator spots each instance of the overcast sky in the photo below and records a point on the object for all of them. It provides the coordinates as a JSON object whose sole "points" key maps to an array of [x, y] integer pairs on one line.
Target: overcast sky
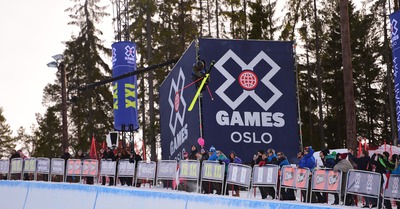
{"points": [[31, 33]]}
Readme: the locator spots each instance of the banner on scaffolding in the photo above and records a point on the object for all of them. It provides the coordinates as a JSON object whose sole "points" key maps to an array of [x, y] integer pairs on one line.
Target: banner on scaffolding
{"points": [[395, 22], [180, 128]]}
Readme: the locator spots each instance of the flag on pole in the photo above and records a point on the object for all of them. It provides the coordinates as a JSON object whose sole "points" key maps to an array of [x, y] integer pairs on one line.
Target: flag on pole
{"points": [[93, 151]]}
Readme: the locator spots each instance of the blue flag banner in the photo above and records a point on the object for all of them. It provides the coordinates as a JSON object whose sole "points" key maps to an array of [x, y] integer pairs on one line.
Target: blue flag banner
{"points": [[124, 90], [180, 128], [252, 101], [395, 20]]}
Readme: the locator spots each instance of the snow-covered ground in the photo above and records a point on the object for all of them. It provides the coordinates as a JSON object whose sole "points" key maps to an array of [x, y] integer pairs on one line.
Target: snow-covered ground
{"points": [[44, 195]]}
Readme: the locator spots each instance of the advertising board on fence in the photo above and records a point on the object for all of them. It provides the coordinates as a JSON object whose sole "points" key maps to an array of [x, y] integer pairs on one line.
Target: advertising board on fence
{"points": [[166, 169], [265, 175], [146, 170], [326, 180], [302, 175], [30, 165], [107, 168], [90, 167], [363, 182], [16, 165], [239, 174], [74, 167], [393, 187], [126, 168], [189, 169], [213, 171], [42, 165], [4, 166], [57, 166], [288, 176]]}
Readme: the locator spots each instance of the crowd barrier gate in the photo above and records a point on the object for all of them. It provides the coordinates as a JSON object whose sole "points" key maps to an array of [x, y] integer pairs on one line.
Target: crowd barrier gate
{"points": [[5, 168], [189, 170], [16, 167], [108, 168], [43, 167], [90, 168], [363, 183], [326, 180], [146, 171], [392, 192], [265, 176], [295, 178], [213, 171], [29, 167], [57, 168], [238, 174], [74, 168], [166, 170], [126, 169]]}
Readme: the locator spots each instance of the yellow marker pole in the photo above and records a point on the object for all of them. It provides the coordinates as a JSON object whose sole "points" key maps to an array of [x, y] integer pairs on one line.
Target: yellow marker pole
{"points": [[198, 92]]}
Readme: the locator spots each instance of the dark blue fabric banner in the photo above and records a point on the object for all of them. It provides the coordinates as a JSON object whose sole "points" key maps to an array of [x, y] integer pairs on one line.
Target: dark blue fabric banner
{"points": [[395, 20], [180, 128], [252, 104], [124, 90]]}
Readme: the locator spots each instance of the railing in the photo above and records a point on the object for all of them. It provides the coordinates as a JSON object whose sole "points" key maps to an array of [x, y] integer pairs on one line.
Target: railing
{"points": [[361, 183]]}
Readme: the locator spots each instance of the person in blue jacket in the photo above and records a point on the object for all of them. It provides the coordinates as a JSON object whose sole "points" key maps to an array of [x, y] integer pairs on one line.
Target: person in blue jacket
{"points": [[307, 161], [212, 153]]}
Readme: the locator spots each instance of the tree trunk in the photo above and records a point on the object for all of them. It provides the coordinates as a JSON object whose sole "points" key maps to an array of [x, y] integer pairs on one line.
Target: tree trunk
{"points": [[351, 134], [151, 140]]}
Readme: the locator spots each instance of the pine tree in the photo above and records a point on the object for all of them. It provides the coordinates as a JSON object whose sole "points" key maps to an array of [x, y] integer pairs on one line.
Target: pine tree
{"points": [[90, 109], [6, 141], [48, 136], [262, 20], [26, 141]]}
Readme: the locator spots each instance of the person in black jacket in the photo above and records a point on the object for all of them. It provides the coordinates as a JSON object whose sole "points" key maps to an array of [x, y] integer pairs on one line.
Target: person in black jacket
{"points": [[362, 162], [257, 158], [193, 153], [108, 155], [382, 165]]}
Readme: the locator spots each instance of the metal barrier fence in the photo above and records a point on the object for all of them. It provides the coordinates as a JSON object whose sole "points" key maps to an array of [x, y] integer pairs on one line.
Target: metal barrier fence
{"points": [[126, 169], [213, 171], [16, 167], [392, 192], [362, 183], [57, 168], [108, 168], [74, 168], [238, 174], [146, 171], [295, 178], [5, 167], [166, 170], [265, 176], [326, 180], [29, 168], [43, 167], [189, 170]]}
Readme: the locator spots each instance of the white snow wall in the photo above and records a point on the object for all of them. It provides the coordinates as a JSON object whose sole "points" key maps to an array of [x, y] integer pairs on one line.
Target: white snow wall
{"points": [[43, 195]]}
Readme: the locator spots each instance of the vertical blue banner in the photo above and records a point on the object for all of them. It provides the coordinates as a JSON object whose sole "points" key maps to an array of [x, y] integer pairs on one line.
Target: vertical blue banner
{"points": [[124, 90], [395, 20], [252, 103], [180, 128]]}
